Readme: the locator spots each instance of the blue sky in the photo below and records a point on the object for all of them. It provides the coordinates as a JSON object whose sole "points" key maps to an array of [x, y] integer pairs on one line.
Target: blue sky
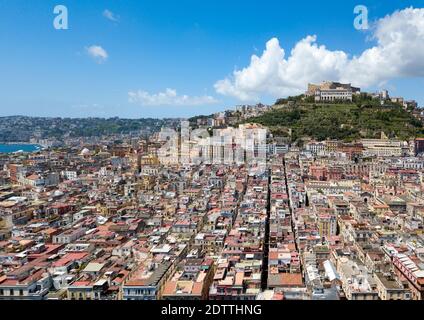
{"points": [[187, 46]]}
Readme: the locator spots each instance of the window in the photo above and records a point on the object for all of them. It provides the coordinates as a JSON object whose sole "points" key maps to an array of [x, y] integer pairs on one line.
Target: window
{"points": [[21, 292]]}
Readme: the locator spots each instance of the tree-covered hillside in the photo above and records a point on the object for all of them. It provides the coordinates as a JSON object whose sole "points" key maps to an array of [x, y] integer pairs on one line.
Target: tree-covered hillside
{"points": [[341, 121]]}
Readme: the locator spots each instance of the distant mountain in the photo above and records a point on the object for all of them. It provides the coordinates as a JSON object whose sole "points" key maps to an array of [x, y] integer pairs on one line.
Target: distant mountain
{"points": [[22, 129]]}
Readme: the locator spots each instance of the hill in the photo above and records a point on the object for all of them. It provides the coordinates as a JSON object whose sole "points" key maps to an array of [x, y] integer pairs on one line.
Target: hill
{"points": [[340, 121], [22, 129]]}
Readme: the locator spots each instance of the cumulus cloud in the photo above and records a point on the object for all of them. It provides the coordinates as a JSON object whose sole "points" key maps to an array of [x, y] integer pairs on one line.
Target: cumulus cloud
{"points": [[97, 53], [168, 98], [110, 15], [399, 52]]}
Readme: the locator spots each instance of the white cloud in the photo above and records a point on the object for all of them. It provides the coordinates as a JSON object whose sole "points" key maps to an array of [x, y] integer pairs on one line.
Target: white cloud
{"points": [[97, 53], [399, 52], [110, 15], [168, 98]]}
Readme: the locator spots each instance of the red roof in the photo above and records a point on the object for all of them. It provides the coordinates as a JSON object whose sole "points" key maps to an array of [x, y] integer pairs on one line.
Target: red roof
{"points": [[69, 257]]}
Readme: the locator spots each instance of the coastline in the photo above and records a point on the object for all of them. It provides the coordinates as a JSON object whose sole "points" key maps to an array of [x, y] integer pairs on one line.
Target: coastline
{"points": [[21, 143], [10, 148]]}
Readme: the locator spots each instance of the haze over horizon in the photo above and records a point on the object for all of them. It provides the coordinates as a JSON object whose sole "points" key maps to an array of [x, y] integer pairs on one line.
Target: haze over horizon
{"points": [[176, 60]]}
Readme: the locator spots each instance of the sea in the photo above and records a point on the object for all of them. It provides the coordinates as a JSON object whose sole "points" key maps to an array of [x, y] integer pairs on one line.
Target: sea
{"points": [[11, 148]]}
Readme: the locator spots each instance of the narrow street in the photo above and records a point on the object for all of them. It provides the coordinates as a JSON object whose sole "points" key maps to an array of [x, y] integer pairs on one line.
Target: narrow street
{"points": [[266, 238]]}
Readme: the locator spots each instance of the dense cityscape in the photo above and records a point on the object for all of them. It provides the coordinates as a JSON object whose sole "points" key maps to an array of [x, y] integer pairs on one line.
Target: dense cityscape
{"points": [[121, 215]]}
